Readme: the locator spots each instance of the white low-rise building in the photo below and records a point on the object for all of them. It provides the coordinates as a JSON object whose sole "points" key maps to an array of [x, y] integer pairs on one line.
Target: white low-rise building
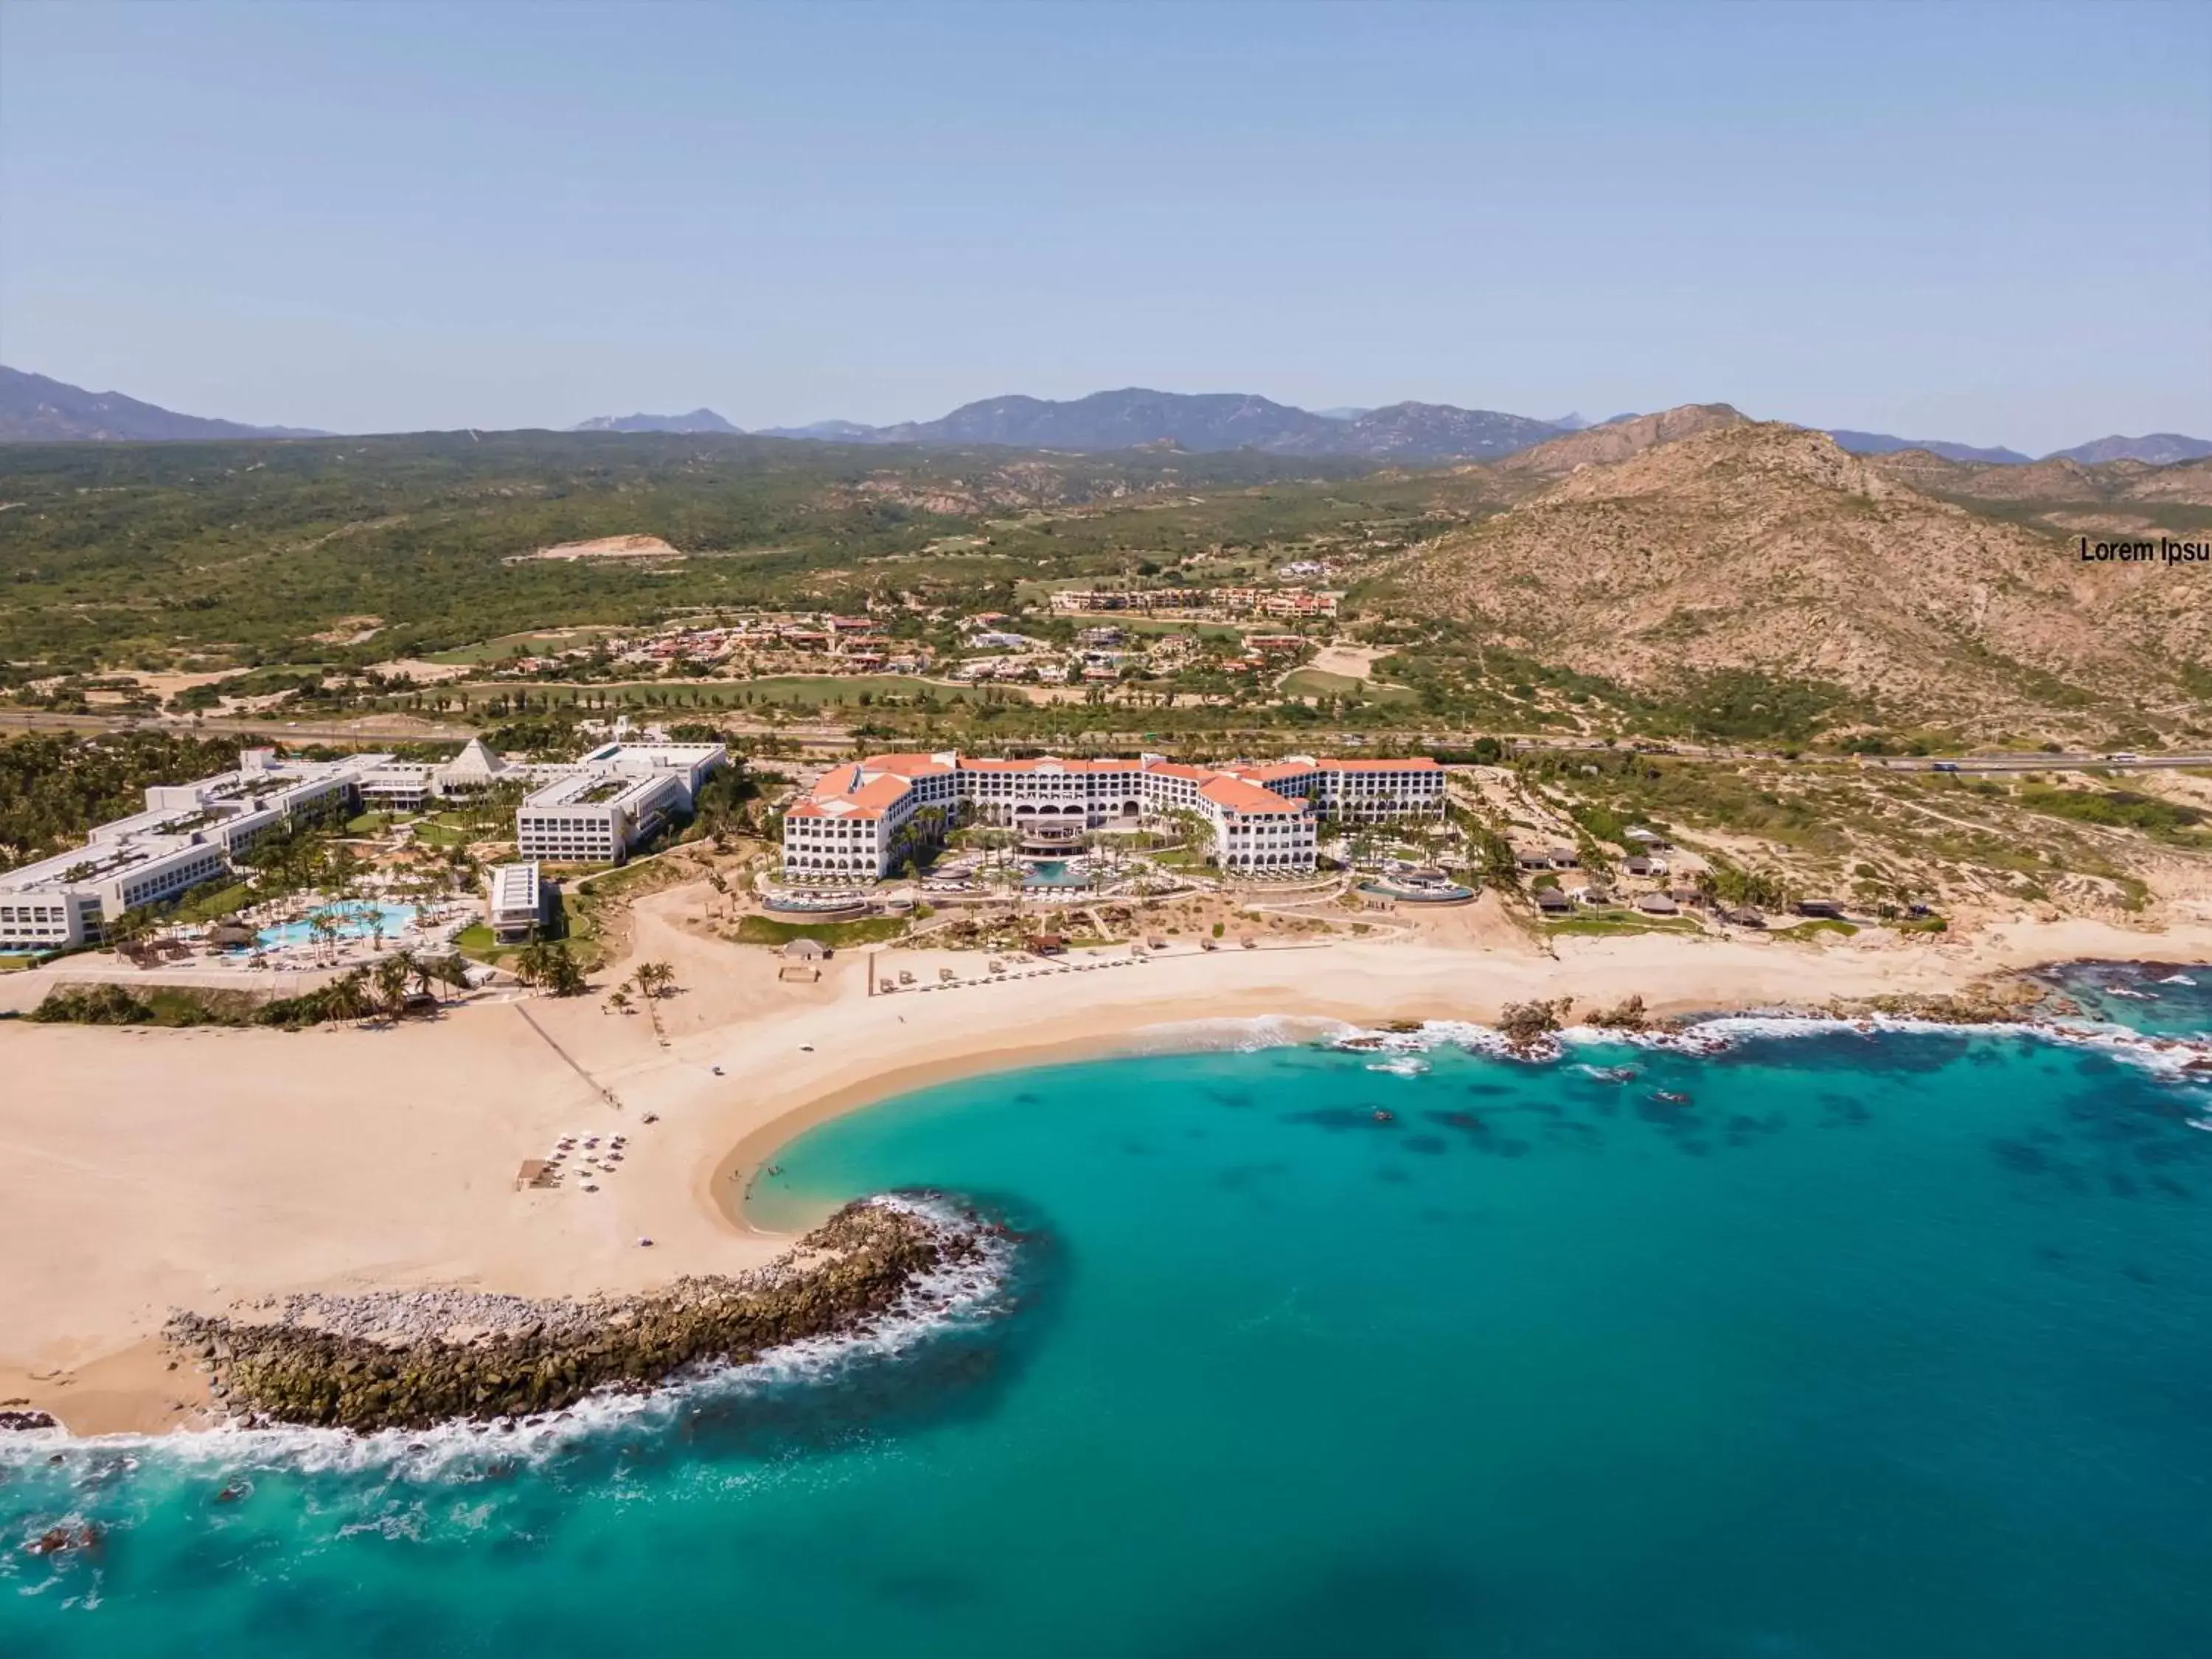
{"points": [[862, 819], [589, 810], [595, 810], [517, 896], [189, 834]]}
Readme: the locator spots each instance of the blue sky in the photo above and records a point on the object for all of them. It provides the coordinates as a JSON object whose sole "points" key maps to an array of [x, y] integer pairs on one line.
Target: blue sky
{"points": [[1988, 224]]}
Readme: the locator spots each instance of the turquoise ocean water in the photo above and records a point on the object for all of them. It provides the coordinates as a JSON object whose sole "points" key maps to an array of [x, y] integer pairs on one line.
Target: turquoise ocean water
{"points": [[1875, 1346]]}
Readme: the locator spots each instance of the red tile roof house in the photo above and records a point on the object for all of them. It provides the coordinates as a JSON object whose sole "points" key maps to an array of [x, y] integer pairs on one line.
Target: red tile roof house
{"points": [[853, 825]]}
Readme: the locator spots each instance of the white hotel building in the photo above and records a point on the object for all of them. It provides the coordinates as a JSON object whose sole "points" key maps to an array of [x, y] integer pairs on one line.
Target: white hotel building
{"points": [[848, 826], [186, 835], [593, 811], [590, 810]]}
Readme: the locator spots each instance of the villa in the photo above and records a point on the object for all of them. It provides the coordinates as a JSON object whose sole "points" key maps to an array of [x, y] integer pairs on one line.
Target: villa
{"points": [[862, 819]]}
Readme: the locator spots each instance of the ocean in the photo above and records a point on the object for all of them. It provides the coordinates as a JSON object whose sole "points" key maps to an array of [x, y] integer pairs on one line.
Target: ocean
{"points": [[1825, 1345]]}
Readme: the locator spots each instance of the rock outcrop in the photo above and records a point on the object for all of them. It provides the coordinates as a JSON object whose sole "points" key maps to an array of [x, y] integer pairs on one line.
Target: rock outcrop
{"points": [[413, 1360]]}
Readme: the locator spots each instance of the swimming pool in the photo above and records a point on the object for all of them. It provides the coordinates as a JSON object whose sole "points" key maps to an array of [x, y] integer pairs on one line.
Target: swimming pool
{"points": [[1054, 872], [355, 920]]}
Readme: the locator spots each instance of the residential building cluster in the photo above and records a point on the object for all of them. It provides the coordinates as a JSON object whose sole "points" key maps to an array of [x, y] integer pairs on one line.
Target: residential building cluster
{"points": [[1200, 602], [862, 819]]}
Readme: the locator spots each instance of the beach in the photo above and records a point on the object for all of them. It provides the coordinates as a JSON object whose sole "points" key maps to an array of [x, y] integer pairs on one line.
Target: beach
{"points": [[142, 1171]]}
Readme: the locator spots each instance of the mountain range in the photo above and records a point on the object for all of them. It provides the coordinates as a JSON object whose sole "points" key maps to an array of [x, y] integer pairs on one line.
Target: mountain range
{"points": [[34, 408], [699, 419]]}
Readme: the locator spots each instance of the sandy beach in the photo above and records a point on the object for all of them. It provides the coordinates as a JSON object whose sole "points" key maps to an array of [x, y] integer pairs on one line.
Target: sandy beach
{"points": [[146, 1171]]}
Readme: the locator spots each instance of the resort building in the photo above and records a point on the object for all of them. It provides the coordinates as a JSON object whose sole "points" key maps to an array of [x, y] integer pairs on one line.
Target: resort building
{"points": [[862, 819], [589, 811], [595, 810], [188, 835], [517, 895]]}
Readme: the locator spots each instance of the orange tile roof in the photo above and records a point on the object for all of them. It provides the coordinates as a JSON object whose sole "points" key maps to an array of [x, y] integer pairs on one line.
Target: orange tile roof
{"points": [[907, 766], [1239, 796]]}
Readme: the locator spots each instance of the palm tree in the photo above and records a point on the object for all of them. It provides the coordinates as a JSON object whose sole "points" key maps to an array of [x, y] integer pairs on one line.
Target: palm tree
{"points": [[347, 997], [393, 975], [451, 970], [618, 999]]}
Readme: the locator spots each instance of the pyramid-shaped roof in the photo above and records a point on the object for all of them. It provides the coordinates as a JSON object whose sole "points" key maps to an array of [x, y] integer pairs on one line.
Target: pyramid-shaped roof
{"points": [[475, 761]]}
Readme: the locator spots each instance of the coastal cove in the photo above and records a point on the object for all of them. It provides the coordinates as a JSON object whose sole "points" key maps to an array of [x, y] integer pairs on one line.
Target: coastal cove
{"points": [[192, 1175], [1381, 1341]]}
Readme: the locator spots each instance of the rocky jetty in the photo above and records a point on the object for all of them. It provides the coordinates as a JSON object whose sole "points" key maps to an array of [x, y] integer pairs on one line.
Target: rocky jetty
{"points": [[416, 1359]]}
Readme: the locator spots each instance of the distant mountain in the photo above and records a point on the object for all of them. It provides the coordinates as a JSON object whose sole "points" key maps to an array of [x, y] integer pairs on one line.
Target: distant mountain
{"points": [[699, 419], [2158, 449], [1435, 431], [36, 410], [1880, 443], [831, 432], [1200, 422]]}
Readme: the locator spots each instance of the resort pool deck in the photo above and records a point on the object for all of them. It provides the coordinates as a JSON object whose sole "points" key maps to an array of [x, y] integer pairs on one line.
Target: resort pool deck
{"points": [[355, 920], [1418, 892], [1057, 872]]}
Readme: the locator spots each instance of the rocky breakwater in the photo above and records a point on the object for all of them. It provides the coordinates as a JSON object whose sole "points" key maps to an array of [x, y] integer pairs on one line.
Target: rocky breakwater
{"points": [[414, 1360]]}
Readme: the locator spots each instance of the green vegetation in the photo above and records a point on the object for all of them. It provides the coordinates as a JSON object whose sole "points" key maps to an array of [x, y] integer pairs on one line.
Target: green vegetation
{"points": [[240, 553], [1318, 683], [872, 930], [1607, 924], [382, 990], [55, 787], [1816, 926], [2116, 809]]}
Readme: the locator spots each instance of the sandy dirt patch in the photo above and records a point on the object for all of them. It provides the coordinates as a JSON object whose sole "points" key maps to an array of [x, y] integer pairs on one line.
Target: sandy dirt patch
{"points": [[605, 547]]}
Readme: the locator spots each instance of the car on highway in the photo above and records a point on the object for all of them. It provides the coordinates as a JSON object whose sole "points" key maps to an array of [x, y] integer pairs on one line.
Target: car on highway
{"points": [[1946, 766], [2124, 757]]}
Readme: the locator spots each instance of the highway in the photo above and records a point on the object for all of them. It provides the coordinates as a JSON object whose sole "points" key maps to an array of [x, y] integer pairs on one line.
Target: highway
{"points": [[366, 733]]}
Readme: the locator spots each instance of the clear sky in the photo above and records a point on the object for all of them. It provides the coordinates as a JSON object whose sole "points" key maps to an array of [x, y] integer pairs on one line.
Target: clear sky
{"points": [[1992, 225]]}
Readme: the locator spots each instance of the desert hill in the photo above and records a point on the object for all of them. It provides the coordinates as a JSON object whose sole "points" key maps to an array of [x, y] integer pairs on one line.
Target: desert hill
{"points": [[1616, 440], [1760, 546]]}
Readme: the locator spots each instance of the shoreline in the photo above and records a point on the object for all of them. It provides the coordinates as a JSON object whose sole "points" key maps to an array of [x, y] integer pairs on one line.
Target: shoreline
{"points": [[198, 1170]]}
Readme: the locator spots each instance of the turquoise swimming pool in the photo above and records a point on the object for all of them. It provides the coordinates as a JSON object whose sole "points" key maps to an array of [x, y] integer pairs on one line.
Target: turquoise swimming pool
{"points": [[357, 921], [1054, 872]]}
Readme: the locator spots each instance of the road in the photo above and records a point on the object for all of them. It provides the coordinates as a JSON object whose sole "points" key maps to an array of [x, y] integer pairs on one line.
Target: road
{"points": [[2050, 763], [361, 734]]}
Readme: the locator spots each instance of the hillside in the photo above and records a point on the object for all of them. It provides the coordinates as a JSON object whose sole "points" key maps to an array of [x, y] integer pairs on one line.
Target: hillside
{"points": [[36, 410], [2121, 498], [1618, 440], [1767, 550]]}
